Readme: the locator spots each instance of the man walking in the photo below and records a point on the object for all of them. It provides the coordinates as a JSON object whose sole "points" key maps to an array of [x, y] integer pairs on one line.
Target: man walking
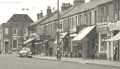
{"points": [[58, 54]]}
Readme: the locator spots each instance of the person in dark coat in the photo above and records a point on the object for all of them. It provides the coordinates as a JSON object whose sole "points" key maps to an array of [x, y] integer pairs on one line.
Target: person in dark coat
{"points": [[58, 54]]}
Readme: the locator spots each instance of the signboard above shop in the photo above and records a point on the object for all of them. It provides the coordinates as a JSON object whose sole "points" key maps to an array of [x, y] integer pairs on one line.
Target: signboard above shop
{"points": [[114, 26]]}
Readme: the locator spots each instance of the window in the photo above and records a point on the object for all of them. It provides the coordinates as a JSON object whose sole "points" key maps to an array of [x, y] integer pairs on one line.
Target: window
{"points": [[73, 24], [95, 17], [76, 20], [52, 27], [85, 19], [70, 22], [14, 31], [6, 30], [80, 20], [90, 17], [103, 46], [14, 43], [103, 14]]}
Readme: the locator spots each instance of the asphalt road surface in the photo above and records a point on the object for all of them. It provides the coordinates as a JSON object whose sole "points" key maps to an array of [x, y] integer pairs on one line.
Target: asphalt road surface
{"points": [[14, 62]]}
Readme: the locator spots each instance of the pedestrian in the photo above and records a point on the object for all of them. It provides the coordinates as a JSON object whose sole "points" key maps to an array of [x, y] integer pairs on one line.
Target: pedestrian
{"points": [[0, 52], [58, 54], [115, 54]]}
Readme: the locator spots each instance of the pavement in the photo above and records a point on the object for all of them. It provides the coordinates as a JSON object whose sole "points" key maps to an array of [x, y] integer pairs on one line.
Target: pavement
{"points": [[81, 60], [10, 61]]}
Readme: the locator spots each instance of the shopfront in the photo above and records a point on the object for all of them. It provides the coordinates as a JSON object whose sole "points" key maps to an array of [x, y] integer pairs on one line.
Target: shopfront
{"points": [[115, 47], [84, 44]]}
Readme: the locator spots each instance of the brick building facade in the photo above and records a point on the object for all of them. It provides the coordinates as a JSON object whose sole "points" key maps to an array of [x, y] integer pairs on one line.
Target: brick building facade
{"points": [[14, 32]]}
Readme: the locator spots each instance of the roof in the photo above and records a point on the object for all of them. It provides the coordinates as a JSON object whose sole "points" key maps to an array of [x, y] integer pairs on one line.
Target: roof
{"points": [[77, 9], [54, 17], [86, 6], [41, 20], [50, 18], [20, 18], [71, 11]]}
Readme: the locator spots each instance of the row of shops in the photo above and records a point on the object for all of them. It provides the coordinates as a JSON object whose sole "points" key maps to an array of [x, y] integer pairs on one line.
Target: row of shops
{"points": [[81, 44], [100, 41]]}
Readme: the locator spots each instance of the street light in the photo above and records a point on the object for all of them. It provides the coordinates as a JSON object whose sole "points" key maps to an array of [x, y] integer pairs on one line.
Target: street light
{"points": [[58, 32]]}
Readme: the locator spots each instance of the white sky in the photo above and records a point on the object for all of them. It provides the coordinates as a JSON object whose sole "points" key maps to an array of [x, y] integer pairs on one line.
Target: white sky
{"points": [[9, 7]]}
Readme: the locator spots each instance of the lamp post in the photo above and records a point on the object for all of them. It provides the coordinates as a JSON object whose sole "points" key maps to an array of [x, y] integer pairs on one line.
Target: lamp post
{"points": [[58, 32]]}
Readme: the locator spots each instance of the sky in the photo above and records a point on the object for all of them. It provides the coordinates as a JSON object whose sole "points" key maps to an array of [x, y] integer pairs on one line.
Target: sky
{"points": [[10, 7]]}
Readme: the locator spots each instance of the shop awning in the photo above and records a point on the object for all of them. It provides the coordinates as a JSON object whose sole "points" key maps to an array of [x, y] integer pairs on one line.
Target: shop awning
{"points": [[83, 33], [114, 38], [28, 41], [73, 35], [62, 35], [114, 26]]}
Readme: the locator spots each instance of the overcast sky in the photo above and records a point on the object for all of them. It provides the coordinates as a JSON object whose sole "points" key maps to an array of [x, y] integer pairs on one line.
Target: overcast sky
{"points": [[10, 7]]}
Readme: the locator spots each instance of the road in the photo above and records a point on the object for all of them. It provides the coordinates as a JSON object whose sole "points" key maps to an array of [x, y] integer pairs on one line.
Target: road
{"points": [[14, 62]]}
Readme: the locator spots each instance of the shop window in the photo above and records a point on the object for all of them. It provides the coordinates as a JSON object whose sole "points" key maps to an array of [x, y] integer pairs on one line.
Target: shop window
{"points": [[103, 46]]}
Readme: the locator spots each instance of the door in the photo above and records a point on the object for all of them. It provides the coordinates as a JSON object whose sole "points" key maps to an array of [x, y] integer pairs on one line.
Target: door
{"points": [[6, 46]]}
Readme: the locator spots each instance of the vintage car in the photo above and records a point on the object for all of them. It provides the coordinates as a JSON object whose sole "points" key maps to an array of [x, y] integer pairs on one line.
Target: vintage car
{"points": [[25, 52]]}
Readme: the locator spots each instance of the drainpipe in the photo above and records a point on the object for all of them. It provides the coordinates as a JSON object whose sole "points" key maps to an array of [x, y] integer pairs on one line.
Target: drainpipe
{"points": [[118, 50]]}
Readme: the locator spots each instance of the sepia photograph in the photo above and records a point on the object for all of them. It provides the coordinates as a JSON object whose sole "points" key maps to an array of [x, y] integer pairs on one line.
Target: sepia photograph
{"points": [[60, 34]]}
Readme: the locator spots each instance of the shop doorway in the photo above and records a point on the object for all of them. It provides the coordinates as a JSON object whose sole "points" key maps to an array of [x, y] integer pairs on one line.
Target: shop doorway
{"points": [[6, 46]]}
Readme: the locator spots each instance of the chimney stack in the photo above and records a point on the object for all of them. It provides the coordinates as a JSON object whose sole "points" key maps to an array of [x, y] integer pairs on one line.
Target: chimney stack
{"points": [[40, 15], [65, 6], [49, 11], [78, 2]]}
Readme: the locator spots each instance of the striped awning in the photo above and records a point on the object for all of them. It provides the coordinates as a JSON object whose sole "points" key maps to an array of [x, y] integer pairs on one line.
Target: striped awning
{"points": [[83, 33]]}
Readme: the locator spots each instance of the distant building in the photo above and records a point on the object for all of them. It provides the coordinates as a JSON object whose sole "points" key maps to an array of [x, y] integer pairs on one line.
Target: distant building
{"points": [[14, 32]]}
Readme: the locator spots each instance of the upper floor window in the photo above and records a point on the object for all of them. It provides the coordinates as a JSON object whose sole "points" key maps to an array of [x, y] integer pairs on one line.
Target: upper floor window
{"points": [[14, 31], [76, 17], [80, 19], [15, 43], [90, 17], [72, 22], [85, 19], [6, 30], [95, 17]]}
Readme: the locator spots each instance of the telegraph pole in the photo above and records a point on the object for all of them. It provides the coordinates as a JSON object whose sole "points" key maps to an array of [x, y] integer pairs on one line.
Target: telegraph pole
{"points": [[58, 32]]}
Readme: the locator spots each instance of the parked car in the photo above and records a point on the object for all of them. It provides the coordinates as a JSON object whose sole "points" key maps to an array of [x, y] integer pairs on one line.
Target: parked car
{"points": [[25, 52]]}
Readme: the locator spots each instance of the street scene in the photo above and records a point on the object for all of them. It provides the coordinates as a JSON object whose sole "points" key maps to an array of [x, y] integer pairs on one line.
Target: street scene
{"points": [[60, 34]]}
